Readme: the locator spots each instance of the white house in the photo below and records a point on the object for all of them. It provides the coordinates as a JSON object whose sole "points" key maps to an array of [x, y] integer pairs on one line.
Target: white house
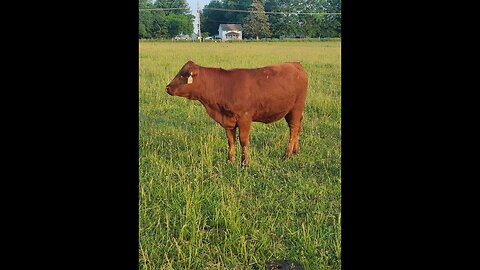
{"points": [[230, 31]]}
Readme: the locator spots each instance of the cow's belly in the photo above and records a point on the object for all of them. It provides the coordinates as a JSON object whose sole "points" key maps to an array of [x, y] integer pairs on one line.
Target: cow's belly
{"points": [[273, 108], [269, 117]]}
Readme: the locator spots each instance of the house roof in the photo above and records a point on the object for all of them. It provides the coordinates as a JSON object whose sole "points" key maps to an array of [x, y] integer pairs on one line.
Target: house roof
{"points": [[231, 27]]}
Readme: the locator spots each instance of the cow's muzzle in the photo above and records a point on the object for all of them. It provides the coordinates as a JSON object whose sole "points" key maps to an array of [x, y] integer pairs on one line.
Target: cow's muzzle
{"points": [[169, 89]]}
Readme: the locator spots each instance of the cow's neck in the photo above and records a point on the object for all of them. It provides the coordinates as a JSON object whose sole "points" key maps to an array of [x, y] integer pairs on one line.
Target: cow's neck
{"points": [[209, 103], [209, 96], [207, 92]]}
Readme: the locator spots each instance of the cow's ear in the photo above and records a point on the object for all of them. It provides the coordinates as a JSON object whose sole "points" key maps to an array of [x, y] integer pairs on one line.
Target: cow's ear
{"points": [[194, 72]]}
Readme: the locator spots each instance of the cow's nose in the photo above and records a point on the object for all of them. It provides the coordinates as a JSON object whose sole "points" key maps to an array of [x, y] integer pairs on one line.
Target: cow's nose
{"points": [[167, 88]]}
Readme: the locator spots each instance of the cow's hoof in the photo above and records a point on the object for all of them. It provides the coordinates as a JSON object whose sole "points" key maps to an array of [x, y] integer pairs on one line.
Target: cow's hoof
{"points": [[230, 161]]}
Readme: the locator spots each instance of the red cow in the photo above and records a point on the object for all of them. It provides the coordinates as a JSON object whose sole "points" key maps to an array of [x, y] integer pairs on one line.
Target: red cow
{"points": [[237, 97]]}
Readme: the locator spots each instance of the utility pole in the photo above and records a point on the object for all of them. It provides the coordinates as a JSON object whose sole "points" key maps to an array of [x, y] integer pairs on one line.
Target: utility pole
{"points": [[198, 18]]}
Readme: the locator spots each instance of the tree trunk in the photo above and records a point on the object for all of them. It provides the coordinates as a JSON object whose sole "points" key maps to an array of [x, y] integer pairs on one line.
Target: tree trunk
{"points": [[257, 37]]}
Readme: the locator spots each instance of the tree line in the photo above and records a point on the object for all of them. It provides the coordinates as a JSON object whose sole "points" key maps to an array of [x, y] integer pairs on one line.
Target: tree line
{"points": [[168, 23], [164, 23]]}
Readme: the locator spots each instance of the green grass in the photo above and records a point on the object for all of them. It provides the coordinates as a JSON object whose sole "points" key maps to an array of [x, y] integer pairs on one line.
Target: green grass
{"points": [[198, 212]]}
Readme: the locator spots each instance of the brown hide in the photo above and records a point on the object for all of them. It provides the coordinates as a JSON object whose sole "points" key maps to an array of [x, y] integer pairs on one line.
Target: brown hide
{"points": [[236, 97]]}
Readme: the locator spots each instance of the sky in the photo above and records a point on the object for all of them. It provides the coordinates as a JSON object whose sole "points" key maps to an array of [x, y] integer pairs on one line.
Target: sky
{"points": [[193, 7]]}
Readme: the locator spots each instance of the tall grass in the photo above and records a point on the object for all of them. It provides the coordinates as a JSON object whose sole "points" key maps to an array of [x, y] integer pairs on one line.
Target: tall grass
{"points": [[198, 212]]}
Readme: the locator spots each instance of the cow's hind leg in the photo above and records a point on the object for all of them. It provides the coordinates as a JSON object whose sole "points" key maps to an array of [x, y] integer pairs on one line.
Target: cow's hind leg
{"points": [[296, 146], [294, 119]]}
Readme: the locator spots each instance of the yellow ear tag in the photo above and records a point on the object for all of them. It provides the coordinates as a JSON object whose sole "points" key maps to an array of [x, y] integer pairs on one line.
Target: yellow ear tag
{"points": [[190, 79]]}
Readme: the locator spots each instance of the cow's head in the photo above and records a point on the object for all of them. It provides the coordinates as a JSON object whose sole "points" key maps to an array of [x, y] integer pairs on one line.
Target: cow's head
{"points": [[185, 81]]}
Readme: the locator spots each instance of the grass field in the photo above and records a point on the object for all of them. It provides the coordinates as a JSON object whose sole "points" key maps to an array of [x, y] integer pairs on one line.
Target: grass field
{"points": [[198, 212]]}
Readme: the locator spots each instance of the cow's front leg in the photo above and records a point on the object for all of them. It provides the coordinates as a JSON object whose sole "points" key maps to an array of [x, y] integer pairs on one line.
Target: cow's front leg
{"points": [[231, 144], [244, 129]]}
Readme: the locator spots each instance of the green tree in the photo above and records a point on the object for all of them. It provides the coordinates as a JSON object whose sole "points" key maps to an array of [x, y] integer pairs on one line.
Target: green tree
{"points": [[185, 9], [256, 23], [283, 25], [145, 19], [164, 23], [316, 25], [211, 19], [236, 17], [179, 24], [331, 25], [159, 25]]}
